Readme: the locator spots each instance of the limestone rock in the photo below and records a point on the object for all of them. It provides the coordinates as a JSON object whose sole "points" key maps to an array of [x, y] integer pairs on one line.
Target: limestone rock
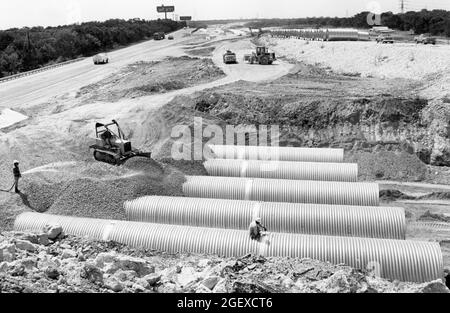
{"points": [[53, 231], [7, 252], [25, 245], [210, 282]]}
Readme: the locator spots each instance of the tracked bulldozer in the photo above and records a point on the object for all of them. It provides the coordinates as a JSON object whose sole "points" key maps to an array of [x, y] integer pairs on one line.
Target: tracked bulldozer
{"points": [[112, 146]]}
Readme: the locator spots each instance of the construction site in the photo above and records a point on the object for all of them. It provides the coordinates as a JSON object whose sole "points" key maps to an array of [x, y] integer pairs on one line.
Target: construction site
{"points": [[353, 190]]}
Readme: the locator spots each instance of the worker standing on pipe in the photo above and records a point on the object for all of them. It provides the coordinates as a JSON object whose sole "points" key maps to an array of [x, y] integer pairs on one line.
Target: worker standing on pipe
{"points": [[17, 176], [257, 230]]}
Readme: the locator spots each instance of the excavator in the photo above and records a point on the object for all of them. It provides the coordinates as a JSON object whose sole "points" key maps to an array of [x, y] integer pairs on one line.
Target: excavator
{"points": [[112, 146]]}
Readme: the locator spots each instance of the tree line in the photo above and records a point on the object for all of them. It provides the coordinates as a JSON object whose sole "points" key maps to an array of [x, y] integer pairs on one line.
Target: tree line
{"points": [[27, 49], [436, 22]]}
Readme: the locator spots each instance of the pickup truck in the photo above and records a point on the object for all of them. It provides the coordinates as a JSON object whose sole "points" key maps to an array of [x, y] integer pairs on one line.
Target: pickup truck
{"points": [[385, 39], [425, 40]]}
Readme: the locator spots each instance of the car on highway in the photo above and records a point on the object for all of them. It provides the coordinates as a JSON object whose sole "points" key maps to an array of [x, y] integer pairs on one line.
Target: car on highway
{"points": [[159, 36], [425, 39], [101, 58], [385, 39], [170, 38]]}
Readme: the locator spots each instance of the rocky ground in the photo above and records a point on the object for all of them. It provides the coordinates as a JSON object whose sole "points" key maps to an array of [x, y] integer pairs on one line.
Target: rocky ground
{"points": [[52, 262]]}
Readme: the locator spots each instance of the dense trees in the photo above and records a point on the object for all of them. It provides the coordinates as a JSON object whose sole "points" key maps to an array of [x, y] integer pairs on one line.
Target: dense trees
{"points": [[436, 22], [29, 48]]}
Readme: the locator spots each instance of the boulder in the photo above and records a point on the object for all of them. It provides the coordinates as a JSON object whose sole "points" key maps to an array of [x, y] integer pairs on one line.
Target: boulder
{"points": [[43, 240], [138, 288], [4, 267], [103, 258], [210, 282], [91, 273], [33, 238], [436, 286], [143, 282], [68, 254], [152, 279], [139, 266], [7, 252], [25, 245], [113, 284], [124, 276], [52, 272], [53, 231], [187, 276]]}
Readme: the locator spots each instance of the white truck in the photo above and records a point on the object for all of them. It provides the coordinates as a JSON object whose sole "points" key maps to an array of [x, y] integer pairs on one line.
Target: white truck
{"points": [[101, 58]]}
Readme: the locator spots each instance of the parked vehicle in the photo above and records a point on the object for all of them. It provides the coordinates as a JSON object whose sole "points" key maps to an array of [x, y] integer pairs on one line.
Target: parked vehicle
{"points": [[425, 39], [229, 57], [170, 38], [385, 39], [159, 36]]}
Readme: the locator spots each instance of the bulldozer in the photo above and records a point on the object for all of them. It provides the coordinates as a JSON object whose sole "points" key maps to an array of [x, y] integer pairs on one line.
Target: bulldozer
{"points": [[261, 56], [112, 146]]}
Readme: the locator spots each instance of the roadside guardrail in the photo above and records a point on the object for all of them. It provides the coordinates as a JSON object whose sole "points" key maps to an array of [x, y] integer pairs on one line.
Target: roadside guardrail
{"points": [[39, 70]]}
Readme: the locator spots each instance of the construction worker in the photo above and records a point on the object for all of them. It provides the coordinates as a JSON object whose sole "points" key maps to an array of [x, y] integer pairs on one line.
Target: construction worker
{"points": [[257, 230], [17, 176]]}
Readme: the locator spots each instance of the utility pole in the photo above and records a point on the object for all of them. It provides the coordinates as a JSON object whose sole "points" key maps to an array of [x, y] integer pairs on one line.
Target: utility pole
{"points": [[402, 6]]}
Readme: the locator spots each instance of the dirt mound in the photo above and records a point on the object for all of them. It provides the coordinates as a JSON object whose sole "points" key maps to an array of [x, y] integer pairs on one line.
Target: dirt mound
{"points": [[202, 52], [387, 165], [147, 78]]}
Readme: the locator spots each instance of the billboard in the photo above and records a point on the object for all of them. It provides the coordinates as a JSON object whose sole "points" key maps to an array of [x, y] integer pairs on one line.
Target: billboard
{"points": [[165, 9], [185, 18]]}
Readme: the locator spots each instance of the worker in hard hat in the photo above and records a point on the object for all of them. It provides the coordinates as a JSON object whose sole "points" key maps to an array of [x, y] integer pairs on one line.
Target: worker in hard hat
{"points": [[257, 230], [17, 175]]}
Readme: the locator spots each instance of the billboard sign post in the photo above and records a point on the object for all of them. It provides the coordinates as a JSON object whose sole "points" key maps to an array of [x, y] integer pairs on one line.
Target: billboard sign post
{"points": [[165, 9]]}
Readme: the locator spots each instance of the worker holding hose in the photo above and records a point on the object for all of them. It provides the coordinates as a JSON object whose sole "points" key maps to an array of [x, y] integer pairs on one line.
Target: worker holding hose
{"points": [[17, 176], [257, 230]]}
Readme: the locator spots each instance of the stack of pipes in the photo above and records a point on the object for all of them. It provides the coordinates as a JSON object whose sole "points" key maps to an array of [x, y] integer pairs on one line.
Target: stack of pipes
{"points": [[309, 199]]}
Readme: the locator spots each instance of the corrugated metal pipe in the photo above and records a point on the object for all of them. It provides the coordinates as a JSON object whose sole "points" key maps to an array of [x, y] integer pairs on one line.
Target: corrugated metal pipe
{"points": [[347, 172], [278, 153], [275, 190], [314, 219], [392, 259]]}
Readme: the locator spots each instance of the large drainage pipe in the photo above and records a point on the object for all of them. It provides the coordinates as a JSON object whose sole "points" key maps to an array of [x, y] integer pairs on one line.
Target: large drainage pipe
{"points": [[392, 259], [283, 170], [314, 219], [274, 190], [278, 153]]}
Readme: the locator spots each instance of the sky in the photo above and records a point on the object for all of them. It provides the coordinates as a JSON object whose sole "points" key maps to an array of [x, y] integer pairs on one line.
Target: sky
{"points": [[19, 13]]}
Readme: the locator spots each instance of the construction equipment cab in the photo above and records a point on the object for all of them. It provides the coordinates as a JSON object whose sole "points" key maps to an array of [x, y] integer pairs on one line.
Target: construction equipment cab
{"points": [[261, 56], [112, 146]]}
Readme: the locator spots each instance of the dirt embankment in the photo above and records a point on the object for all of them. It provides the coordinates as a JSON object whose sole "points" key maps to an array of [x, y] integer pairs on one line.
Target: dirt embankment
{"points": [[382, 124], [37, 263], [146, 78]]}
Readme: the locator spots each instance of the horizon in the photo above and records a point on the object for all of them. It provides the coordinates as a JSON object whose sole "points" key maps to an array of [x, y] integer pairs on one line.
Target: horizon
{"points": [[45, 13]]}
